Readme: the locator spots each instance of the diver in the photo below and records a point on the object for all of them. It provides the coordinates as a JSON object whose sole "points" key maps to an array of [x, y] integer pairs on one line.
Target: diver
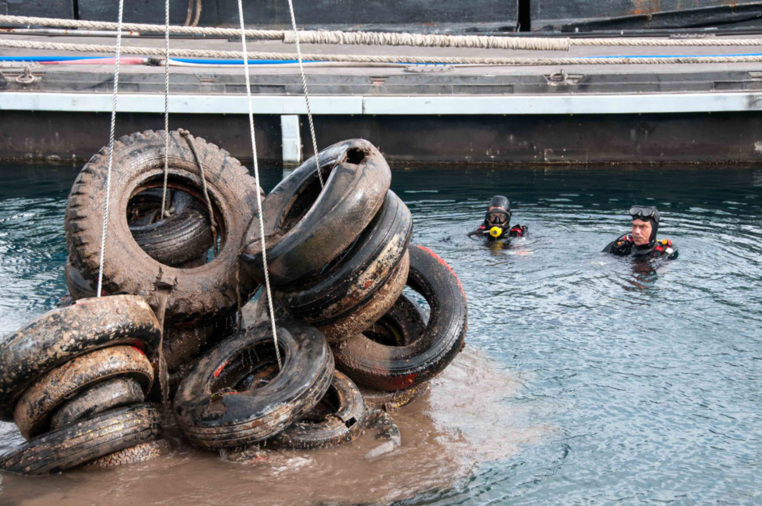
{"points": [[642, 242], [497, 220]]}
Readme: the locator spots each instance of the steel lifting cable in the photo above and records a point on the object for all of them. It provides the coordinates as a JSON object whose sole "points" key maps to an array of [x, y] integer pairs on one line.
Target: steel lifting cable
{"points": [[114, 100], [163, 374], [166, 111], [256, 176], [306, 93]]}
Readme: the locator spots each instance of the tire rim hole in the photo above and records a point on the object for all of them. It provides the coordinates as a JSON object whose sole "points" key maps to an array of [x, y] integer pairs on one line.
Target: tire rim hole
{"points": [[182, 196], [388, 332], [328, 405], [355, 156], [251, 369]]}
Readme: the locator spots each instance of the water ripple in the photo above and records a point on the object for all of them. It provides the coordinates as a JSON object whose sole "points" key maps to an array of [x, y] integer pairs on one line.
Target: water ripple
{"points": [[632, 383]]}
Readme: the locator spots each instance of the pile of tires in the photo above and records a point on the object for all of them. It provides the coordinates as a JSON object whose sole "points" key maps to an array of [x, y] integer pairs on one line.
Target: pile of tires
{"points": [[184, 267], [76, 382], [182, 254], [338, 258], [79, 380]]}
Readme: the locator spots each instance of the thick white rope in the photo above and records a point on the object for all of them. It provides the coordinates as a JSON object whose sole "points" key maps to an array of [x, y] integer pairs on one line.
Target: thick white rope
{"points": [[306, 93], [242, 33], [451, 60], [499, 42], [393, 39], [427, 40], [104, 229], [544, 43], [166, 110]]}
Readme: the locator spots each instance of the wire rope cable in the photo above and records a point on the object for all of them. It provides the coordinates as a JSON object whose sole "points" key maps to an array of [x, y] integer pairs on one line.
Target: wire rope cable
{"points": [[256, 176], [306, 93], [114, 100], [166, 111]]}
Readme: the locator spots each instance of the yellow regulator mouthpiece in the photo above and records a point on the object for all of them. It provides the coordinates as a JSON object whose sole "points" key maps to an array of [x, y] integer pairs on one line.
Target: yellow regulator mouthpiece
{"points": [[495, 232]]}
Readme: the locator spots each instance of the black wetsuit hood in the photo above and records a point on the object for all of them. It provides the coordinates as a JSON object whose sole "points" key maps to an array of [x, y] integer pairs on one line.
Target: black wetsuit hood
{"points": [[654, 220], [498, 205]]}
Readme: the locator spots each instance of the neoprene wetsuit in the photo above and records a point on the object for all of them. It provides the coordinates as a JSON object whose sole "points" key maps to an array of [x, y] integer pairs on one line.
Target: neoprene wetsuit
{"points": [[499, 217], [624, 246], [515, 231]]}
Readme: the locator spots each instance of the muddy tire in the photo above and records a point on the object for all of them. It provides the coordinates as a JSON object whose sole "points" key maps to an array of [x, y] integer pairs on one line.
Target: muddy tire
{"points": [[142, 452], [176, 240], [180, 239], [110, 394], [362, 269], [84, 441], [391, 368], [392, 401], [79, 287], [38, 403], [205, 291], [307, 228], [221, 404], [62, 334], [366, 315], [338, 418]]}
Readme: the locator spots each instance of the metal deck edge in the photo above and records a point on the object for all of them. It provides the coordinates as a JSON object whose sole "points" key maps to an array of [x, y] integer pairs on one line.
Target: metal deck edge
{"points": [[391, 105]]}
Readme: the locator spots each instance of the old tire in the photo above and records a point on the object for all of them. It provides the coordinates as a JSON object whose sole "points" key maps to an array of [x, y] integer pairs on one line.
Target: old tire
{"points": [[176, 240], [216, 407], [78, 286], [338, 418], [307, 228], [110, 394], [205, 291], [37, 404], [366, 315], [84, 441], [179, 239], [392, 401], [364, 267], [142, 452], [62, 334], [392, 368]]}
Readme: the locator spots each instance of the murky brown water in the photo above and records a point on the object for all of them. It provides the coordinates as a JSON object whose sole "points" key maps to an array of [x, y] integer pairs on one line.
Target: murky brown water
{"points": [[445, 435]]}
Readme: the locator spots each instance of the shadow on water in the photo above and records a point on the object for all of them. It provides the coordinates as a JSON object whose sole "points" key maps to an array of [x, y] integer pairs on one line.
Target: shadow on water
{"points": [[587, 378]]}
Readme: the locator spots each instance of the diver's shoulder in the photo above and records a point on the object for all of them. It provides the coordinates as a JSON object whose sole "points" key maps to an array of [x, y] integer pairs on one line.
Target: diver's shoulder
{"points": [[518, 230], [666, 248], [621, 245]]}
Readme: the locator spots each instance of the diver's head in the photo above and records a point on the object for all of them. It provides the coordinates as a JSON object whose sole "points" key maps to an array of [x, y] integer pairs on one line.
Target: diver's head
{"points": [[645, 225], [498, 213]]}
